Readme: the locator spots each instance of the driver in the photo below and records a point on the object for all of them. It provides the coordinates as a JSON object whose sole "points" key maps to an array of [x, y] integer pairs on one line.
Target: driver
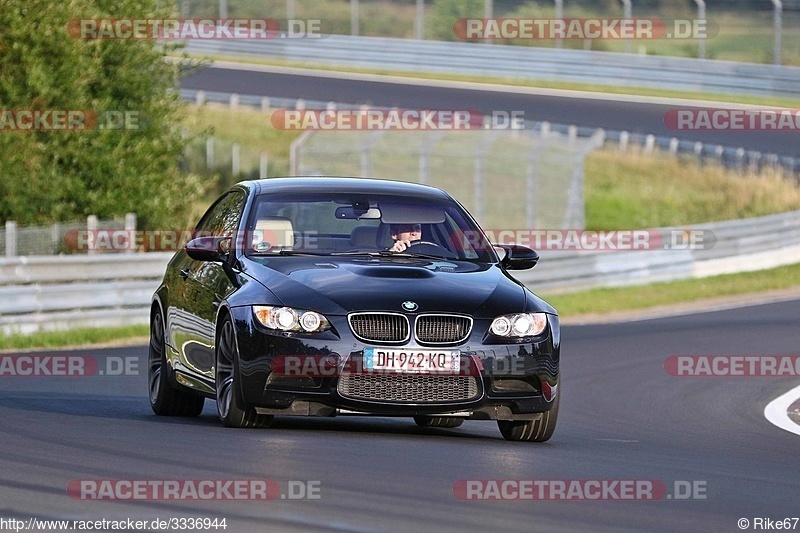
{"points": [[404, 235]]}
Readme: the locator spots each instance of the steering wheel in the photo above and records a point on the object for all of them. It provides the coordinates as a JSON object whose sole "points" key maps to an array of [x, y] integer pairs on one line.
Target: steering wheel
{"points": [[417, 243], [437, 249]]}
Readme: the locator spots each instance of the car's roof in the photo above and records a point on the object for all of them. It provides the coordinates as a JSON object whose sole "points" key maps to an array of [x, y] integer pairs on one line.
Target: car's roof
{"points": [[344, 185]]}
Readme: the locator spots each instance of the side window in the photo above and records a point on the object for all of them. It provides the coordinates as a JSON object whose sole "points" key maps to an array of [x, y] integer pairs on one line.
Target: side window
{"points": [[223, 217]]}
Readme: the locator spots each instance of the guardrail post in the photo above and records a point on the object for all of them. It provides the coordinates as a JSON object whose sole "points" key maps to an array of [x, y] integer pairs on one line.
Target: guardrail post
{"points": [[531, 185], [91, 227], [740, 159], [294, 151], [419, 21], [130, 230], [628, 14], [772, 161], [698, 152], [366, 153], [649, 144], [223, 9], [354, 29], [366, 161], [56, 239], [265, 104], [673, 146], [478, 180], [11, 238], [234, 102], [545, 129], [600, 135], [624, 138], [755, 162], [235, 163], [262, 166], [210, 152], [488, 10], [701, 15], [424, 156], [778, 23], [200, 98], [289, 9], [477, 186], [300, 104], [559, 15]]}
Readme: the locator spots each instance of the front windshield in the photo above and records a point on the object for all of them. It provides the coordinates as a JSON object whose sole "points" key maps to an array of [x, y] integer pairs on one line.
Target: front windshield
{"points": [[346, 223]]}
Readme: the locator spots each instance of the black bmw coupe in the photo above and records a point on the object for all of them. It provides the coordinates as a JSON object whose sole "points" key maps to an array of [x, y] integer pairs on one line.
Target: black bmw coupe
{"points": [[293, 298]]}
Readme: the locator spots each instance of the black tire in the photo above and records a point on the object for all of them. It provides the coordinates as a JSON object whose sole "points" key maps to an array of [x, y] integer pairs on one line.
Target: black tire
{"points": [[438, 421], [232, 410], [539, 430], [164, 398]]}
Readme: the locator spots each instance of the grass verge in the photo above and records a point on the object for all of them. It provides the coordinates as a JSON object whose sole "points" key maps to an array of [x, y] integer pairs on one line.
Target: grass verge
{"points": [[637, 190], [569, 305], [74, 337], [608, 300]]}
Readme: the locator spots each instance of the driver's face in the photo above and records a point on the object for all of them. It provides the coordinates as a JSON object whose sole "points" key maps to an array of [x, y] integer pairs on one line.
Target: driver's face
{"points": [[408, 232]]}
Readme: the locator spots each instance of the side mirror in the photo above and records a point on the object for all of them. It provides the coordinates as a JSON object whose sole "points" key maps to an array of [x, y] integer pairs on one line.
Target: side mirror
{"points": [[518, 257], [208, 248]]}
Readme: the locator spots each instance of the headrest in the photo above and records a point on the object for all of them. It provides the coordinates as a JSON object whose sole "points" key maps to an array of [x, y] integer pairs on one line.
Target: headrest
{"points": [[364, 236], [271, 232], [384, 238]]}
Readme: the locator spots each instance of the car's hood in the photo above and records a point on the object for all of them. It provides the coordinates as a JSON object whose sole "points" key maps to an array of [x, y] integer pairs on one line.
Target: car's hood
{"points": [[339, 285]]}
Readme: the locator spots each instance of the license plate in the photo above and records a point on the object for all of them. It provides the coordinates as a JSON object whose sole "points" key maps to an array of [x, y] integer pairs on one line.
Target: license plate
{"points": [[418, 361]]}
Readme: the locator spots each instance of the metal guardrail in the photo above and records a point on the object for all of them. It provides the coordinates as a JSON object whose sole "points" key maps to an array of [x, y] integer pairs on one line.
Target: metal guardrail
{"points": [[741, 246], [48, 293], [601, 68], [45, 293]]}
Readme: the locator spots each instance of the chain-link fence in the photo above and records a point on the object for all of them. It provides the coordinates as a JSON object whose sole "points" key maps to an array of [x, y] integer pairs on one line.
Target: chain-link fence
{"points": [[506, 179], [226, 161], [58, 238]]}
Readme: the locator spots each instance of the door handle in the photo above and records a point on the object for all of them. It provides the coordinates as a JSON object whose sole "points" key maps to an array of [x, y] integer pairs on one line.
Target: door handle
{"points": [[185, 273]]}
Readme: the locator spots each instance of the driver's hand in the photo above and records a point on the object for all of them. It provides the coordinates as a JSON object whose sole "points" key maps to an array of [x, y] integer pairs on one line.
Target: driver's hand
{"points": [[400, 246]]}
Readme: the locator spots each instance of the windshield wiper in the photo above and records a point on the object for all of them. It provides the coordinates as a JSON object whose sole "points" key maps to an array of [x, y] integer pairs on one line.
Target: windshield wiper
{"points": [[412, 254], [285, 253], [364, 252]]}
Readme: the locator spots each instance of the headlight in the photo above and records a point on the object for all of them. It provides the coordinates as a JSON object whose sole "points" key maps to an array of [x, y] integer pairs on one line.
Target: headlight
{"points": [[519, 325], [289, 319]]}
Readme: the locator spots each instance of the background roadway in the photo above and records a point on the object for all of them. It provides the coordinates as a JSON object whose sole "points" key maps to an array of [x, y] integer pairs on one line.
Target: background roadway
{"points": [[610, 114], [622, 417]]}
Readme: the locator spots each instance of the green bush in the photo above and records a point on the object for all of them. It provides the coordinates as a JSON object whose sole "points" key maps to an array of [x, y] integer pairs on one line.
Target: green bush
{"points": [[63, 175]]}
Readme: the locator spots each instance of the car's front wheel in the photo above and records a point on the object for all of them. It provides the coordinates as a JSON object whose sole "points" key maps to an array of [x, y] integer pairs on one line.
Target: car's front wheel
{"points": [[164, 399], [438, 421], [538, 430], [231, 407]]}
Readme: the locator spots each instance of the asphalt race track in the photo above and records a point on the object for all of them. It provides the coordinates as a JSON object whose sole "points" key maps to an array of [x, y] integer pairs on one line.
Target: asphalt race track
{"points": [[622, 418], [613, 115]]}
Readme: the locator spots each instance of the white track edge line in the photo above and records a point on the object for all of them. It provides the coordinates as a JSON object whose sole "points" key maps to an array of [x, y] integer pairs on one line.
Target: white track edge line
{"points": [[776, 411]]}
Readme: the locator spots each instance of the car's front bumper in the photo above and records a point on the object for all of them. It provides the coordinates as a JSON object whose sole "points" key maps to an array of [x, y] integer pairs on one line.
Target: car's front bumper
{"points": [[511, 381]]}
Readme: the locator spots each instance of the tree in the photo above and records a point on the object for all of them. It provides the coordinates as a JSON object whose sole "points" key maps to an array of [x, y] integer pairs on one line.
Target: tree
{"points": [[48, 176]]}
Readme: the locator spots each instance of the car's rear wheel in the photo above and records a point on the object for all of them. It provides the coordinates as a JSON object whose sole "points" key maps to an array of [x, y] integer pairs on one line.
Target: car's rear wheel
{"points": [[438, 421], [538, 430], [164, 399], [231, 407]]}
